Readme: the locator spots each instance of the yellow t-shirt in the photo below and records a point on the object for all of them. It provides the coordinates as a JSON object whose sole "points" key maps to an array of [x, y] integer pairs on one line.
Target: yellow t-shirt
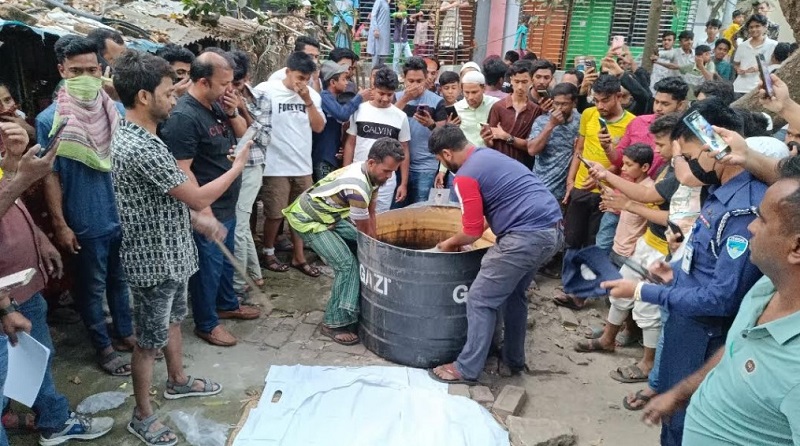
{"points": [[592, 150], [730, 35]]}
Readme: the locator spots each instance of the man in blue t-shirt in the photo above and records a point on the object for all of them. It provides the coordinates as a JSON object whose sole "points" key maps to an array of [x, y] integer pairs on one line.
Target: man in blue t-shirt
{"points": [[80, 198], [425, 111], [526, 219]]}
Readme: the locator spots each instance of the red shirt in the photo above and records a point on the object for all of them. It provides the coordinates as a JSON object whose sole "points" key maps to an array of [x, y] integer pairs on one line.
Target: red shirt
{"points": [[638, 131], [20, 250]]}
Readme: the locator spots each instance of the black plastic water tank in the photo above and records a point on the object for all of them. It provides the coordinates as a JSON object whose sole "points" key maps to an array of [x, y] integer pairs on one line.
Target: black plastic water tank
{"points": [[413, 303]]}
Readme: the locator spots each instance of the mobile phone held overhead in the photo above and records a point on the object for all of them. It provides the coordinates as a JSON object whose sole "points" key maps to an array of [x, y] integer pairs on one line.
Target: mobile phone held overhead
{"points": [[706, 134]]}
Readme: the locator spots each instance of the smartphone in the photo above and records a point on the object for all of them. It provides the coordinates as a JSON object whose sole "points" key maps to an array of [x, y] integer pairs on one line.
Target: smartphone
{"points": [[676, 230], [617, 43], [763, 72], [451, 111], [17, 280], [703, 130], [585, 163], [643, 272], [248, 136], [603, 125], [591, 64], [543, 94], [62, 124], [423, 109]]}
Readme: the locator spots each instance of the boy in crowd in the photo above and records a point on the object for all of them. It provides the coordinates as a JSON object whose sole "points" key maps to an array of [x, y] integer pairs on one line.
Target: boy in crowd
{"points": [[712, 33], [703, 68], [744, 61], [732, 30], [494, 70], [664, 55], [326, 144], [376, 119], [724, 68]]}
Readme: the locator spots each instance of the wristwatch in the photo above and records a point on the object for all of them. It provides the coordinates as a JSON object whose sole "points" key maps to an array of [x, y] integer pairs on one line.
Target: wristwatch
{"points": [[11, 308], [510, 139]]}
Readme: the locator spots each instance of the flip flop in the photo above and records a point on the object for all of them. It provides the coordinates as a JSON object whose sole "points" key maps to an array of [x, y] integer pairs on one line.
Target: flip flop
{"points": [[113, 362], [593, 332], [451, 369], [564, 300], [333, 332], [628, 374], [639, 396], [306, 269]]}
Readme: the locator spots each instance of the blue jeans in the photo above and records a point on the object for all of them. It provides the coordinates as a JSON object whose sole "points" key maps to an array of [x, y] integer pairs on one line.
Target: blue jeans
{"points": [[51, 407], [608, 229], [99, 274], [653, 380], [419, 186], [211, 286], [506, 271], [3, 373]]}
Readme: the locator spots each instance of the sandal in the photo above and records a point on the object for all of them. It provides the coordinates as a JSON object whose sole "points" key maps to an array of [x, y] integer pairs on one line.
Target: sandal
{"points": [[275, 265], [629, 374], [638, 396], [186, 390], [334, 332], [451, 370], [591, 345], [141, 429], [25, 422], [565, 300], [115, 365], [307, 269], [283, 244]]}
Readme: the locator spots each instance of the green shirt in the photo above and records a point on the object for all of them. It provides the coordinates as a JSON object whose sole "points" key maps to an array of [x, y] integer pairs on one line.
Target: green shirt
{"points": [[752, 397], [472, 118]]}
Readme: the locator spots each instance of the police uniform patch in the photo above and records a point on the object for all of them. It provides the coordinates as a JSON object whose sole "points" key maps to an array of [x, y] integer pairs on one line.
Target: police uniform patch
{"points": [[736, 246]]}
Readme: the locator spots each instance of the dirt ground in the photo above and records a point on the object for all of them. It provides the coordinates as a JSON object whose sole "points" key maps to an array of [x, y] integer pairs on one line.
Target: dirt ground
{"points": [[558, 386]]}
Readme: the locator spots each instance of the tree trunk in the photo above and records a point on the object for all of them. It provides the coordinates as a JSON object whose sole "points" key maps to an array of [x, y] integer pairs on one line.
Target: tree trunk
{"points": [[651, 37], [789, 72]]}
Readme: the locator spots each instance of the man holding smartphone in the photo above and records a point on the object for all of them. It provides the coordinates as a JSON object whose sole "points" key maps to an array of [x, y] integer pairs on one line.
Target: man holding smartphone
{"points": [[24, 246], [425, 111], [601, 128]]}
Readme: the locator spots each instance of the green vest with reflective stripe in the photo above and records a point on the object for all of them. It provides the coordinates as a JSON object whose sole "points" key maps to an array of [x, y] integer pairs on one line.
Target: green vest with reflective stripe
{"points": [[314, 211]]}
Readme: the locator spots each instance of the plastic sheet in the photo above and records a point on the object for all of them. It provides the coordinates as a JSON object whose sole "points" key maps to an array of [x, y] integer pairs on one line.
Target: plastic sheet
{"points": [[366, 406], [199, 430], [100, 402]]}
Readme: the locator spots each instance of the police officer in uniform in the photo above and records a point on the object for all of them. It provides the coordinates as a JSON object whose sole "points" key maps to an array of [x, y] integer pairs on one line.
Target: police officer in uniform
{"points": [[705, 286]]}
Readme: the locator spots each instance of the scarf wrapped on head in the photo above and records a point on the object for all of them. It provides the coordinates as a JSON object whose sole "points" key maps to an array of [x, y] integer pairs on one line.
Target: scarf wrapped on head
{"points": [[87, 135]]}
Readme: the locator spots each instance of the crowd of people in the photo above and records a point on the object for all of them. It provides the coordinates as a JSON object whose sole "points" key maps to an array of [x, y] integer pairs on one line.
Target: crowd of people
{"points": [[146, 168]]}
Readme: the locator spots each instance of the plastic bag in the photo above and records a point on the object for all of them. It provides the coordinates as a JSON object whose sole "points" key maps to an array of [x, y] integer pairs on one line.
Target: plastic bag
{"points": [[198, 430], [100, 402]]}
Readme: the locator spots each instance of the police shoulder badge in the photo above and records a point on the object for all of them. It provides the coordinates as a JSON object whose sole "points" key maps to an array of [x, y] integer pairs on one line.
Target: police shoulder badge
{"points": [[736, 246]]}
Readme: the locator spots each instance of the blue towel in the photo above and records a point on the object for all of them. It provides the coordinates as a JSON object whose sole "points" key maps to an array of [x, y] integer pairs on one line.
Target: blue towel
{"points": [[597, 260]]}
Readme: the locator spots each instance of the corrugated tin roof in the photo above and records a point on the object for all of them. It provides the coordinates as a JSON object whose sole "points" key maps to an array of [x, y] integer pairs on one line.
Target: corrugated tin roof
{"points": [[162, 21]]}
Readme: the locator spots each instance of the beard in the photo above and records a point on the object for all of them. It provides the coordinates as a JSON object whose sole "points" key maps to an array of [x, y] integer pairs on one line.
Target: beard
{"points": [[451, 167], [375, 181]]}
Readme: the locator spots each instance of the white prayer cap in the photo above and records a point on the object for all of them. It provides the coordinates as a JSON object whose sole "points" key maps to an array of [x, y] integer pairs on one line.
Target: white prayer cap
{"points": [[768, 146], [473, 77], [473, 65]]}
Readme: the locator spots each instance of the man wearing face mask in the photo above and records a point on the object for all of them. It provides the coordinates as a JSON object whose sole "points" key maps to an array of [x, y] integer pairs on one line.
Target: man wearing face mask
{"points": [[80, 197], [707, 285]]}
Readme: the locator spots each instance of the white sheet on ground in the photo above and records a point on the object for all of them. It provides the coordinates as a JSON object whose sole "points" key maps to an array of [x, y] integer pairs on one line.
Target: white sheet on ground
{"points": [[365, 406]]}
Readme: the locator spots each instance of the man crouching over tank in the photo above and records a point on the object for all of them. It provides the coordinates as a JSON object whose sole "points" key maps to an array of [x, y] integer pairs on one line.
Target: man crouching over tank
{"points": [[319, 216], [526, 219]]}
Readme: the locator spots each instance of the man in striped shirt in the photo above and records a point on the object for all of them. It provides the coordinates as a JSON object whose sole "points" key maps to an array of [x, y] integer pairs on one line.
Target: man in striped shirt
{"points": [[319, 217]]}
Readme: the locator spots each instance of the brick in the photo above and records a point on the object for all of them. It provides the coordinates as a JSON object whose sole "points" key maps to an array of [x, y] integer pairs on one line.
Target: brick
{"points": [[458, 390], [303, 332], [314, 318], [509, 402], [481, 395], [539, 432], [568, 318]]}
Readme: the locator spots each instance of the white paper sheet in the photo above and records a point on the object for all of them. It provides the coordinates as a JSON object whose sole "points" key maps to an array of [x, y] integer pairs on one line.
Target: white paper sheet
{"points": [[27, 362], [366, 406]]}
